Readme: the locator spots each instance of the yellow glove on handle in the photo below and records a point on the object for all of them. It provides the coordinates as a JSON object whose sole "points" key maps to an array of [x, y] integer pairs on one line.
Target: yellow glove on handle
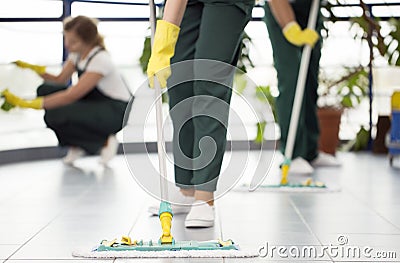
{"points": [[17, 101], [163, 50], [37, 68], [295, 35]]}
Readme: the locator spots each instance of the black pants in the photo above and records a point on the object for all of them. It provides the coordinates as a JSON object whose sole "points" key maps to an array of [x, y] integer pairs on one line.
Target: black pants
{"points": [[210, 30], [287, 58], [86, 123]]}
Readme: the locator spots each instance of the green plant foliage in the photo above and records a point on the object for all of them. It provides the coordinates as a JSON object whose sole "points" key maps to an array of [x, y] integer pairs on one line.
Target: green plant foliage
{"points": [[393, 46], [260, 132], [244, 59], [360, 142], [345, 92], [263, 94], [387, 45], [164, 97], [354, 88], [146, 53]]}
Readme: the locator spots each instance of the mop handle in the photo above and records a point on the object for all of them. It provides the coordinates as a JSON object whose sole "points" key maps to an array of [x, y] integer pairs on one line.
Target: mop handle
{"points": [[301, 81], [159, 116]]}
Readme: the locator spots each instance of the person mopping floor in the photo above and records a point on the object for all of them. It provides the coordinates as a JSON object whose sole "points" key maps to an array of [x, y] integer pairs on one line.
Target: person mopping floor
{"points": [[203, 27], [198, 30], [293, 29], [290, 31]]}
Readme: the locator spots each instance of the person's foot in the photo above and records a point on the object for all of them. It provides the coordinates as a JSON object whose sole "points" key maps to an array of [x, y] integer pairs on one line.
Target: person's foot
{"points": [[73, 154], [300, 166], [180, 204], [201, 215], [109, 150], [325, 160]]}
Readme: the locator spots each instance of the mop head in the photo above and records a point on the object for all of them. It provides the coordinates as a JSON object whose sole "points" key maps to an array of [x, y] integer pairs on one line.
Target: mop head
{"points": [[308, 186], [293, 187], [179, 249]]}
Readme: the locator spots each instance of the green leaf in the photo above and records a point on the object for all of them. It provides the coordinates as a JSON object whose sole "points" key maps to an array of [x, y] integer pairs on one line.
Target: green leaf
{"points": [[263, 94], [244, 58], [240, 82], [260, 132], [164, 97], [146, 53], [346, 101], [362, 139]]}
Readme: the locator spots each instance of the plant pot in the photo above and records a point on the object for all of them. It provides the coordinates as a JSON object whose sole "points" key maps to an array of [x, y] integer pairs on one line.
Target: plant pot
{"points": [[382, 129], [329, 123]]}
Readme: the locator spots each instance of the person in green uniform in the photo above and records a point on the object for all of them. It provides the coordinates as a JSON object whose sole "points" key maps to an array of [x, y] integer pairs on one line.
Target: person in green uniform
{"points": [[287, 29], [85, 116], [198, 30]]}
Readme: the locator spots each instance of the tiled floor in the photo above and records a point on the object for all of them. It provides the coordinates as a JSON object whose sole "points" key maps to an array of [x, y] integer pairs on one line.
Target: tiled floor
{"points": [[47, 210]]}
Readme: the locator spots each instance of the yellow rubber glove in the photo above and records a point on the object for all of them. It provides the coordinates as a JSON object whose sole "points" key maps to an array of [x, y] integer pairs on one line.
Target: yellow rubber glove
{"points": [[295, 35], [163, 50], [17, 101], [37, 68]]}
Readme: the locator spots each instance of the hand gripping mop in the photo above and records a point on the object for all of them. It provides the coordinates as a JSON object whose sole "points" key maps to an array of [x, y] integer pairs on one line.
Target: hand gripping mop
{"points": [[166, 246]]}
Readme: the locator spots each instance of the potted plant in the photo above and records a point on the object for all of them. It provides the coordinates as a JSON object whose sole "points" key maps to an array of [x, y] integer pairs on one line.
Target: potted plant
{"points": [[335, 96], [386, 43]]}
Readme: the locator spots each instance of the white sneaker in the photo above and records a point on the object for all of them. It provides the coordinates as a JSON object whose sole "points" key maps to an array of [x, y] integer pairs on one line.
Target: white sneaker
{"points": [[201, 215], [180, 204], [325, 159], [109, 150], [73, 154], [300, 166]]}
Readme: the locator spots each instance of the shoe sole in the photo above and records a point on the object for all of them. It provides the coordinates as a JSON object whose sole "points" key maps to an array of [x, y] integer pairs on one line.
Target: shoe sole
{"points": [[199, 223], [326, 164]]}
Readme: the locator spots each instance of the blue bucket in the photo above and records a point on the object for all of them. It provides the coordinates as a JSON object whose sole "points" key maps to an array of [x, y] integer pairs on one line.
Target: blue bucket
{"points": [[394, 145]]}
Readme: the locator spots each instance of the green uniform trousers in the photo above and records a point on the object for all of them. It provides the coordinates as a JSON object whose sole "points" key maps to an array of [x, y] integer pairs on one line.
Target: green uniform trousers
{"points": [[86, 123], [287, 59], [210, 30]]}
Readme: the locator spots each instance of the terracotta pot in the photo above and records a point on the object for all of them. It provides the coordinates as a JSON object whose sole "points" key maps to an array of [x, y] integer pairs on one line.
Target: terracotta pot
{"points": [[329, 123]]}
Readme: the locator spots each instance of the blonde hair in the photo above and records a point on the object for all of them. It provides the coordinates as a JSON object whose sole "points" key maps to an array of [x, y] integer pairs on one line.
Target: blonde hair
{"points": [[86, 29]]}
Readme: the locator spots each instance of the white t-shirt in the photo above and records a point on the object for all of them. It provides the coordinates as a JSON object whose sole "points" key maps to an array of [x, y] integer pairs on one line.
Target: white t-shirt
{"points": [[111, 85]]}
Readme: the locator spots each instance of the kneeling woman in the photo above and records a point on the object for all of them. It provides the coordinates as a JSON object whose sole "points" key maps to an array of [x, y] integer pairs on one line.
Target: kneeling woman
{"points": [[84, 116]]}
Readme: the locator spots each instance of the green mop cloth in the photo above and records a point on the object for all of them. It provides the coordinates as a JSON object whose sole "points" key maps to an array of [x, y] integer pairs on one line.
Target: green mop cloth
{"points": [[181, 249]]}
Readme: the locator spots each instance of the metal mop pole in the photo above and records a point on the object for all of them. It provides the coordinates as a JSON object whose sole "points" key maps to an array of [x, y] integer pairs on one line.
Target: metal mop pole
{"points": [[298, 99], [165, 212]]}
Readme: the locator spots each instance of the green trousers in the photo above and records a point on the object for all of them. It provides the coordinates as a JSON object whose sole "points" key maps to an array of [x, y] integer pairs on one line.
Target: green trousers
{"points": [[86, 123], [287, 59], [210, 30]]}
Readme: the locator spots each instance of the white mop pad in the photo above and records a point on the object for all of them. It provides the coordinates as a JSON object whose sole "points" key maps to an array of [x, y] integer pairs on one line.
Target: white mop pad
{"points": [[288, 189], [89, 253]]}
